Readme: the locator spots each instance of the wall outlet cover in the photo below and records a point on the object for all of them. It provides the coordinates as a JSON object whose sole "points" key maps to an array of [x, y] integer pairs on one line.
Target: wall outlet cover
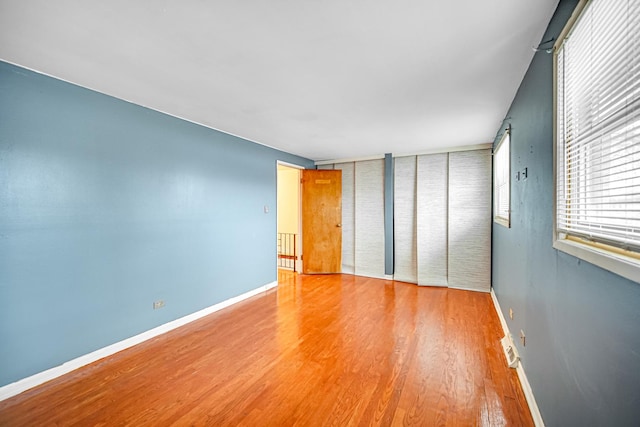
{"points": [[510, 351]]}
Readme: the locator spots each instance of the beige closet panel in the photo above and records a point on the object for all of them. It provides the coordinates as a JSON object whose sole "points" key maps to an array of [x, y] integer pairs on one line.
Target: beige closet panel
{"points": [[348, 216], [432, 221], [369, 218], [404, 220], [470, 220]]}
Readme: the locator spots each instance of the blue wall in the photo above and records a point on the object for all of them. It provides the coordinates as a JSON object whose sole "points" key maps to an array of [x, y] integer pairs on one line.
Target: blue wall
{"points": [[106, 206], [582, 323]]}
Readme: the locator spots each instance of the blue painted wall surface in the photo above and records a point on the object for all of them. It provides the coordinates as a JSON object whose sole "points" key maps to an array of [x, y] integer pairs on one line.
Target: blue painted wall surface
{"points": [[582, 323], [106, 206]]}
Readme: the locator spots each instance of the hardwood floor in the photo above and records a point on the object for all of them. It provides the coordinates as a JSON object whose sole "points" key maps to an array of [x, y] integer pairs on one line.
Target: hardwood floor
{"points": [[318, 350]]}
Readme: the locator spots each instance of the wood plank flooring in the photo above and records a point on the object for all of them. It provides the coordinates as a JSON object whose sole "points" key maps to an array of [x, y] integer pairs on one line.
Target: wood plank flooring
{"points": [[319, 350]]}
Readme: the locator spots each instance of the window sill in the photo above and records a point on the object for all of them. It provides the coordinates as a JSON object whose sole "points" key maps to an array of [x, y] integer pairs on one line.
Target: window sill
{"points": [[502, 221], [626, 267]]}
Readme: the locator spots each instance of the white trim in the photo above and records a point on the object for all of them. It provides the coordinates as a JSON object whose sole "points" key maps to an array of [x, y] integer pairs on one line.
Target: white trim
{"points": [[575, 15], [502, 221], [524, 382], [289, 165], [497, 218], [448, 150], [349, 160], [24, 384], [626, 267], [298, 261], [496, 305]]}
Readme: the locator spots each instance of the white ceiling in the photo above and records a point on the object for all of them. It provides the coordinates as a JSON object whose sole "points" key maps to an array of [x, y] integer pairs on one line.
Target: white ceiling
{"points": [[326, 79]]}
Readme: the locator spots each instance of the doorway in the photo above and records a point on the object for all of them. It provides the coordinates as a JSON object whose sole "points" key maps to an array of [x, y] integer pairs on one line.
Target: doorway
{"points": [[288, 213]]}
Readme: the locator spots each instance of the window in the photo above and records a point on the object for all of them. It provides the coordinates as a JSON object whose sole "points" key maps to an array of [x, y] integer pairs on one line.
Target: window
{"points": [[598, 136], [502, 181]]}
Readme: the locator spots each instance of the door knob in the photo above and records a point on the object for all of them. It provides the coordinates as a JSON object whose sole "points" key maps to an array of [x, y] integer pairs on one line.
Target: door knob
{"points": [[339, 225]]}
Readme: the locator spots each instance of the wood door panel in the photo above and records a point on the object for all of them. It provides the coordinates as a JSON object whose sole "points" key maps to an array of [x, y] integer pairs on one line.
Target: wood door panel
{"points": [[321, 221]]}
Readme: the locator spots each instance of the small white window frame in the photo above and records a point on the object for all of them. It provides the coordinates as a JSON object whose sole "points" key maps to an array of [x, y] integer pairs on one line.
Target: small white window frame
{"points": [[505, 143]]}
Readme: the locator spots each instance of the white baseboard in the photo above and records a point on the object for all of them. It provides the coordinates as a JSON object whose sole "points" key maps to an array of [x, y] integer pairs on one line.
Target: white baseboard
{"points": [[526, 387], [24, 384]]}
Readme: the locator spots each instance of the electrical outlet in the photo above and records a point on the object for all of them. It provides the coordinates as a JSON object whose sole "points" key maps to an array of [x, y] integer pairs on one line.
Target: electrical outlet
{"points": [[511, 313], [523, 338], [158, 304]]}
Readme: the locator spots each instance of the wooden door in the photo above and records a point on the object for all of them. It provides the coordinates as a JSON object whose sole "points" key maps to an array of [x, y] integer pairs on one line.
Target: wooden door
{"points": [[321, 221]]}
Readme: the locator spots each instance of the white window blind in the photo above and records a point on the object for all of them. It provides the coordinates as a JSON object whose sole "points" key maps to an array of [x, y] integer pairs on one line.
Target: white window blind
{"points": [[502, 181], [598, 127]]}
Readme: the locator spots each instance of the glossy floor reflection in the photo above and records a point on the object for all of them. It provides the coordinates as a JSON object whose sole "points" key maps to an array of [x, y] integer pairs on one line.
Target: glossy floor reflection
{"points": [[318, 350]]}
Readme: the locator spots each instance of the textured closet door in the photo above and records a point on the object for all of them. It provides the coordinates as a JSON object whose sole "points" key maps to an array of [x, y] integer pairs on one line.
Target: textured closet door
{"points": [[432, 201], [348, 217], [404, 220], [369, 218], [470, 220]]}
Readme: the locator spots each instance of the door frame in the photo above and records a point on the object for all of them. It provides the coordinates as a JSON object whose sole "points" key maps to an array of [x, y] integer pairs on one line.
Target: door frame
{"points": [[299, 242]]}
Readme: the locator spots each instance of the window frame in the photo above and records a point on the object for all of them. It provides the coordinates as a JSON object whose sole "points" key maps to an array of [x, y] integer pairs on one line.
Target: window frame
{"points": [[505, 141], [612, 258]]}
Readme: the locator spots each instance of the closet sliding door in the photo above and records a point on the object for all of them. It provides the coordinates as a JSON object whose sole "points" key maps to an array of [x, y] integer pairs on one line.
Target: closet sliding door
{"points": [[442, 219], [404, 220], [369, 218], [470, 220], [432, 226]]}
